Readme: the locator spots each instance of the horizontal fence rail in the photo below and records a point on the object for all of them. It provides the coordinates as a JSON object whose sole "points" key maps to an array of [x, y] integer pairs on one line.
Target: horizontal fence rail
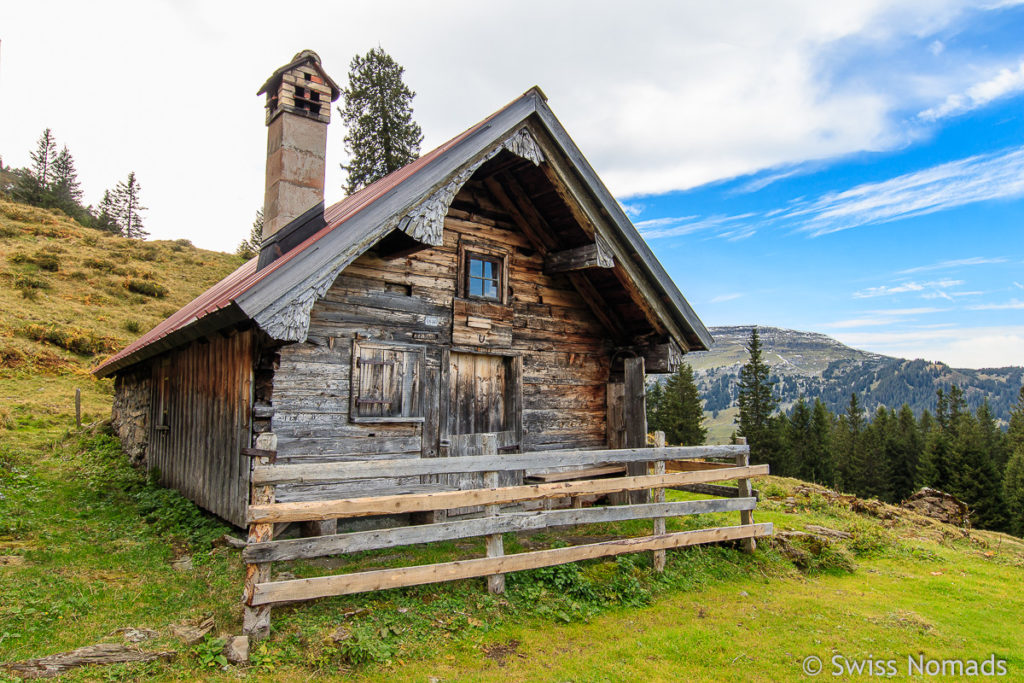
{"points": [[684, 472], [446, 500], [372, 469], [345, 584], [358, 541]]}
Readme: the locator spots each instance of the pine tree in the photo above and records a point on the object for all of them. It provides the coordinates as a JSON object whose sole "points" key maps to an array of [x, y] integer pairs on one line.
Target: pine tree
{"points": [[128, 208], [106, 215], [821, 429], [653, 400], [65, 188], [849, 440], [757, 402], [251, 247], [976, 481], [906, 454], [43, 158], [1013, 492], [33, 185], [1015, 433], [381, 136], [680, 413], [800, 443]]}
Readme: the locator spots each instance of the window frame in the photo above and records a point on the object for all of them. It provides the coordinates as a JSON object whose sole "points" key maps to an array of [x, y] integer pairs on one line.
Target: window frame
{"points": [[487, 253], [355, 382]]}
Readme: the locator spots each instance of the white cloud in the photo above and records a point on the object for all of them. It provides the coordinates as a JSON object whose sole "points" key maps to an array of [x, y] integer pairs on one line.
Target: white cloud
{"points": [[1009, 305], [909, 311], [665, 96], [633, 209], [955, 263], [726, 226], [1018, 285], [984, 177], [861, 322], [972, 347], [721, 298], [1007, 81], [935, 286]]}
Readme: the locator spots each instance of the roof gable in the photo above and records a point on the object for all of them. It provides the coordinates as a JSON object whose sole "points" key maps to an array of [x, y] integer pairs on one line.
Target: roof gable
{"points": [[415, 199]]}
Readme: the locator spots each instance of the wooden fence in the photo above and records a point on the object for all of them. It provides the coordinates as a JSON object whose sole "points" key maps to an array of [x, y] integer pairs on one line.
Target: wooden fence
{"points": [[263, 513]]}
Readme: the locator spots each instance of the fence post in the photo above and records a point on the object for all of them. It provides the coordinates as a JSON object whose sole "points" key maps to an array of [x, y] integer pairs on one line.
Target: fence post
{"points": [[78, 408], [743, 491], [495, 543], [658, 496], [256, 619]]}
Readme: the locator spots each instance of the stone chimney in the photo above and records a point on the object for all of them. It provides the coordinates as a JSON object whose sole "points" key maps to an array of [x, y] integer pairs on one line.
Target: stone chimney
{"points": [[299, 97]]}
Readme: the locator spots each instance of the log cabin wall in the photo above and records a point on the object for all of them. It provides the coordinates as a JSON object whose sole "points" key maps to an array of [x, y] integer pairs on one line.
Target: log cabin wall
{"points": [[415, 299], [199, 421]]}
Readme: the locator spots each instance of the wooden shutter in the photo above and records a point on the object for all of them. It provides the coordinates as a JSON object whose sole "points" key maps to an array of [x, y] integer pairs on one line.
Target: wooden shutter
{"points": [[386, 383]]}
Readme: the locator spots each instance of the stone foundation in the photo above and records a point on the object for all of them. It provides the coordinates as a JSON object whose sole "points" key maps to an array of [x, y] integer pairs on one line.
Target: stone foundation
{"points": [[130, 415]]}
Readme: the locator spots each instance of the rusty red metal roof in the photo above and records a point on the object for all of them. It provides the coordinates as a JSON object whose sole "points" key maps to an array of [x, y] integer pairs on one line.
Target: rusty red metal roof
{"points": [[223, 294]]}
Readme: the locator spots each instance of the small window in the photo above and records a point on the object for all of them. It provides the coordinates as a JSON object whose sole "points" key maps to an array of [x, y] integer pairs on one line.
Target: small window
{"points": [[484, 277], [387, 383]]}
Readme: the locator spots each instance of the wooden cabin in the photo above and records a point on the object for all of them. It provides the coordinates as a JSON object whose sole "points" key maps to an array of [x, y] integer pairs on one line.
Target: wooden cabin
{"points": [[492, 287]]}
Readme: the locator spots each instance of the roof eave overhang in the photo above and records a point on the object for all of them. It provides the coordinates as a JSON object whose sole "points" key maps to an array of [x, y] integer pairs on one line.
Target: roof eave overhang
{"points": [[211, 323]]}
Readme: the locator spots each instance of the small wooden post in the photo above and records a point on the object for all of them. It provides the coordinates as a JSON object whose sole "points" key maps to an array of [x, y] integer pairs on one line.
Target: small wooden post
{"points": [[635, 419], [495, 544], [78, 408], [744, 491], [658, 496], [256, 620]]}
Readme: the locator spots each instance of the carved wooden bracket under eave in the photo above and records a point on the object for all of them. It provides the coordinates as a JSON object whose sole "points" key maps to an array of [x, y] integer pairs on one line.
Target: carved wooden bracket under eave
{"points": [[425, 223]]}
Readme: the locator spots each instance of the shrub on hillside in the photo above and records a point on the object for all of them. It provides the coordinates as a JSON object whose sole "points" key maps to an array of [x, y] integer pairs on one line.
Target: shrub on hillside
{"points": [[46, 261], [145, 287], [73, 339], [9, 231], [132, 325], [102, 265]]}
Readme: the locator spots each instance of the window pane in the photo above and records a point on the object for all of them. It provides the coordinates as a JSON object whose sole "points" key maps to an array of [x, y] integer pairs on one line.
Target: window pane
{"points": [[488, 269], [476, 286], [476, 267], [490, 288]]}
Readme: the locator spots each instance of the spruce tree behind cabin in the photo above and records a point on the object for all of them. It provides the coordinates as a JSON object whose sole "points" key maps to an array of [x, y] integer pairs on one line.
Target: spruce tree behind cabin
{"points": [[251, 247], [128, 208], [757, 402], [678, 410], [33, 184], [381, 136]]}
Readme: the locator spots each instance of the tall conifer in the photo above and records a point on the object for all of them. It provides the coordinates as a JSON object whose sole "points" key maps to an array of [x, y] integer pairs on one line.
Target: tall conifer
{"points": [[381, 136]]}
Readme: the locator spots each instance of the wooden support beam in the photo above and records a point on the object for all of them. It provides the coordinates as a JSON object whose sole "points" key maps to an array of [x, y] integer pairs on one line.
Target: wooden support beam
{"points": [[537, 233], [601, 309], [594, 255], [635, 414], [743, 491], [445, 500], [658, 496], [256, 618], [372, 469], [507, 522], [495, 544], [346, 584]]}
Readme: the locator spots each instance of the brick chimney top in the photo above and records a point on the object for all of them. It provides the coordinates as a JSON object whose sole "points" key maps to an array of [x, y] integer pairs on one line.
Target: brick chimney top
{"points": [[301, 87], [299, 97]]}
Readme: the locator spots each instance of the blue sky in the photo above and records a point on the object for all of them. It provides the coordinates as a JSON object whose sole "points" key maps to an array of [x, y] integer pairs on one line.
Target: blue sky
{"points": [[851, 167], [914, 249]]}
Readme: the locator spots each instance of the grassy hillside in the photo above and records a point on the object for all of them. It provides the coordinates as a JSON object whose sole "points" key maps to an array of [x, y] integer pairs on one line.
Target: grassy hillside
{"points": [[89, 547], [70, 296]]}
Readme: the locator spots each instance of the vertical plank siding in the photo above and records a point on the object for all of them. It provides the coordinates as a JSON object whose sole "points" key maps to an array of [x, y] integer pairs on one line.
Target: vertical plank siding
{"points": [[205, 388]]}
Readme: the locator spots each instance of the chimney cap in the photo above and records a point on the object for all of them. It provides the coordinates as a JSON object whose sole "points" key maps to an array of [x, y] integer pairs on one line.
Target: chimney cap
{"points": [[303, 57]]}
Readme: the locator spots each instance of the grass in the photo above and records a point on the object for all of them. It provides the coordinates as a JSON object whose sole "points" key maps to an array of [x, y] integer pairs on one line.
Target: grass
{"points": [[88, 546]]}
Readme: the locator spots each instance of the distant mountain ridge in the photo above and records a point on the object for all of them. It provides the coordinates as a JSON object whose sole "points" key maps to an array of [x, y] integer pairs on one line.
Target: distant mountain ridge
{"points": [[817, 366]]}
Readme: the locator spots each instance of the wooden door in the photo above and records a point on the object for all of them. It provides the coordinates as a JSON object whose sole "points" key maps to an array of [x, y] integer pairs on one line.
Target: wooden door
{"points": [[482, 400]]}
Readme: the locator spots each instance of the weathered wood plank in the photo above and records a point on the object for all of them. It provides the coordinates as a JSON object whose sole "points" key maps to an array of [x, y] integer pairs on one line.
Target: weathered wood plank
{"points": [[743, 491], [714, 490], [388, 505], [507, 522], [345, 584], [579, 258], [658, 496], [280, 474]]}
